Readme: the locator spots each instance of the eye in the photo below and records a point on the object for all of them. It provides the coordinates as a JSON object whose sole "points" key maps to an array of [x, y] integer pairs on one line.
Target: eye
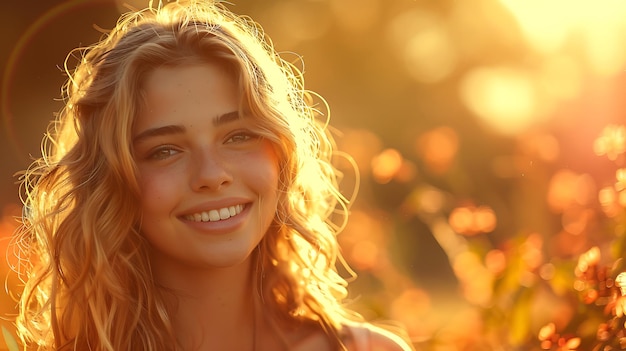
{"points": [[241, 136], [163, 152]]}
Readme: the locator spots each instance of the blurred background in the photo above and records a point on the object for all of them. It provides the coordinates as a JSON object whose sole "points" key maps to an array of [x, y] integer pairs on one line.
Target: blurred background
{"points": [[489, 135]]}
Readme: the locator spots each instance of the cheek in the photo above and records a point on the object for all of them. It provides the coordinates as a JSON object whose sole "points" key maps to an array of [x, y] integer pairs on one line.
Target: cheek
{"points": [[262, 172], [268, 163], [156, 191]]}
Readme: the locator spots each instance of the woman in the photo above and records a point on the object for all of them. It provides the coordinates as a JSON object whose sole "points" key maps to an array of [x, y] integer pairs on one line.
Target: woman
{"points": [[185, 199]]}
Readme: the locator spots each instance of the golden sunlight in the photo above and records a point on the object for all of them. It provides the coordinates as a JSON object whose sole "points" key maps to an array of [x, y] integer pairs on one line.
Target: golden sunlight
{"points": [[504, 98], [546, 24], [560, 77], [597, 27]]}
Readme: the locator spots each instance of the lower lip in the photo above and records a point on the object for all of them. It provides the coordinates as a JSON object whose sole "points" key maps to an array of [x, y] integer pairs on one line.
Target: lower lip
{"points": [[220, 227]]}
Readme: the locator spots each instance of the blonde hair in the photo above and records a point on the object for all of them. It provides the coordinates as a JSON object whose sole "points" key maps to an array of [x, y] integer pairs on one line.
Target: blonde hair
{"points": [[88, 283]]}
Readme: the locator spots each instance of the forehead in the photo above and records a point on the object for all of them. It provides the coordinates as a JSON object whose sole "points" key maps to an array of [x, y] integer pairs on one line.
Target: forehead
{"points": [[189, 91], [169, 80]]}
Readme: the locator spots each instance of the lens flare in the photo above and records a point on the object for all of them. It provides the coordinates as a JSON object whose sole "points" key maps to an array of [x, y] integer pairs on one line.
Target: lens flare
{"points": [[16, 54]]}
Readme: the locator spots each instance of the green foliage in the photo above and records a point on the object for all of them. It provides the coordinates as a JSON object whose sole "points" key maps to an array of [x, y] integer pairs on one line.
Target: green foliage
{"points": [[9, 340]]}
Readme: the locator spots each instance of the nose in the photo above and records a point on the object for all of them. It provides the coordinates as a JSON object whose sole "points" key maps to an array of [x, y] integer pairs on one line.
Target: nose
{"points": [[209, 172]]}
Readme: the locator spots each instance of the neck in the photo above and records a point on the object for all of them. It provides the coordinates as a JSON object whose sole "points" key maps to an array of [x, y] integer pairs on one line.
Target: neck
{"points": [[212, 308]]}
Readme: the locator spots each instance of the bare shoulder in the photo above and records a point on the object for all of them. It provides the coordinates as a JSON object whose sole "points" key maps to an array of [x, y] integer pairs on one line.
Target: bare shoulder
{"points": [[379, 339], [384, 340]]}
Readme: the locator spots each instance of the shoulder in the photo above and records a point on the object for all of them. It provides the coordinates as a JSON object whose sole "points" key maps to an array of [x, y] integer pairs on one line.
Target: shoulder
{"points": [[384, 340], [367, 337]]}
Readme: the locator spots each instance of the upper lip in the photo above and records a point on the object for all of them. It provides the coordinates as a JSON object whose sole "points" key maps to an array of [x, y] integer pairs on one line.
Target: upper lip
{"points": [[213, 205]]}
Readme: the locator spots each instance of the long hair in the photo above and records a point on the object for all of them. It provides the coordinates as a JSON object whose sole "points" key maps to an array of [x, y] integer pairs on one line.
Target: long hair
{"points": [[88, 282]]}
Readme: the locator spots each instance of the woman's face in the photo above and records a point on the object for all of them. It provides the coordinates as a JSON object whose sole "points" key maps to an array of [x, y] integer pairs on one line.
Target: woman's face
{"points": [[208, 180]]}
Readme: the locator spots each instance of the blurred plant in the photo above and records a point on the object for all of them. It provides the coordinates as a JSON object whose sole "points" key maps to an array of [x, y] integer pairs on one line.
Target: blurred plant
{"points": [[535, 291], [9, 340], [597, 319], [602, 304], [584, 304], [612, 142], [550, 340]]}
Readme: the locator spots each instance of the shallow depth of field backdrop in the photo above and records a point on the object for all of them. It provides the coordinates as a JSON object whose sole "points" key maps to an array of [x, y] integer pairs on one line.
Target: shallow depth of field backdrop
{"points": [[489, 135]]}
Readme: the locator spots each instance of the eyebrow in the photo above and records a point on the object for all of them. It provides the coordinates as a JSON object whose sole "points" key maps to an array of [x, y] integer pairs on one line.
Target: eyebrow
{"points": [[179, 129], [226, 118]]}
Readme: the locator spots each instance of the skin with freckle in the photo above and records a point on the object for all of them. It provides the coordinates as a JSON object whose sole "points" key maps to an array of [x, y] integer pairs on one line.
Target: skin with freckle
{"points": [[209, 167]]}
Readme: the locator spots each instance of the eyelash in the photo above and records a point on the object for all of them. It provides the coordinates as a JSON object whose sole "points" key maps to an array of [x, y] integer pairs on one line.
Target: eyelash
{"points": [[165, 151], [158, 153], [242, 136]]}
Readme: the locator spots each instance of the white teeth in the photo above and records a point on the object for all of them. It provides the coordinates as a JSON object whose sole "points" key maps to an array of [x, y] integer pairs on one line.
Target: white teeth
{"points": [[215, 215], [224, 213]]}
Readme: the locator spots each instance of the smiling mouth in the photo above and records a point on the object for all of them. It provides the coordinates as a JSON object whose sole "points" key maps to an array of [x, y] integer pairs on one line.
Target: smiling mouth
{"points": [[215, 215]]}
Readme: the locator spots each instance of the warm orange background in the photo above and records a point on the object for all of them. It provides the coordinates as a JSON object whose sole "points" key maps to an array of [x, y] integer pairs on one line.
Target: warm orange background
{"points": [[486, 133]]}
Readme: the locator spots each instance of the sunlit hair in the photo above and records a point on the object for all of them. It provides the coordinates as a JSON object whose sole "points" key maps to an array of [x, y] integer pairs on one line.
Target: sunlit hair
{"points": [[88, 283]]}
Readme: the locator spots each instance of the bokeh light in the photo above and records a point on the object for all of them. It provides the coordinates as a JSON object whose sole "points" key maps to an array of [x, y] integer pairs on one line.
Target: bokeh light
{"points": [[472, 220], [612, 142], [567, 188], [422, 42], [504, 98], [476, 280], [390, 164], [438, 148]]}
